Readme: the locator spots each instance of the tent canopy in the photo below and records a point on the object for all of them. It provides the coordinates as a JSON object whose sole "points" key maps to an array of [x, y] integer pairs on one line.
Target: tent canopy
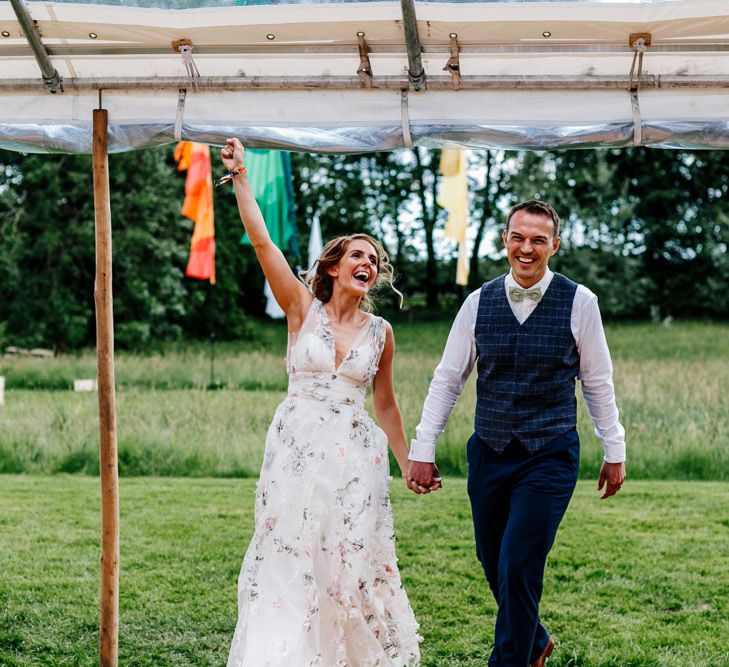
{"points": [[523, 75]]}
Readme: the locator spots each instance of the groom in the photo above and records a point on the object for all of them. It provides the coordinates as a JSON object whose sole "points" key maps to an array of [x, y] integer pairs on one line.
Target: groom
{"points": [[531, 333]]}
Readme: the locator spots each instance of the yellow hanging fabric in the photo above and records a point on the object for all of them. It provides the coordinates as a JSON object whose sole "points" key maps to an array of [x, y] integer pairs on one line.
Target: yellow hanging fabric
{"points": [[453, 196]]}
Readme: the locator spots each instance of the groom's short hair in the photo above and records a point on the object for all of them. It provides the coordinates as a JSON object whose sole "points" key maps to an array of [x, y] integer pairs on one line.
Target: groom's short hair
{"points": [[537, 207]]}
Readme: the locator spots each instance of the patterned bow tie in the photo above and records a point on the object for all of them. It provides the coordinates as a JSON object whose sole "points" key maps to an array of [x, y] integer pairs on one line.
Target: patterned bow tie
{"points": [[517, 294]]}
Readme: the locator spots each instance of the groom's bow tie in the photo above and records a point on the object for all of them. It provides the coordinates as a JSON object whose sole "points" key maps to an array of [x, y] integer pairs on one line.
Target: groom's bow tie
{"points": [[517, 294]]}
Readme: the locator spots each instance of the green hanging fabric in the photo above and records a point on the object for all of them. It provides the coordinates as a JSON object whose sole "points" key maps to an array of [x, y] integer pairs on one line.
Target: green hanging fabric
{"points": [[268, 178]]}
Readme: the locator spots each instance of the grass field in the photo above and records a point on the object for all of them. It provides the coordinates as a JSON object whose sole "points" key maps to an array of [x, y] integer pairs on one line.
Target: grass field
{"points": [[672, 385], [638, 581]]}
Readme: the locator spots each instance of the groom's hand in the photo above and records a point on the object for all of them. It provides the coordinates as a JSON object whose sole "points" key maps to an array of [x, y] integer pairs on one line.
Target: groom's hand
{"points": [[612, 476], [423, 477]]}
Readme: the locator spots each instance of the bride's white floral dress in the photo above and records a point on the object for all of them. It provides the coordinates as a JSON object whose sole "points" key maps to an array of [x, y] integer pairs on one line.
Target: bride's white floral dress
{"points": [[319, 585]]}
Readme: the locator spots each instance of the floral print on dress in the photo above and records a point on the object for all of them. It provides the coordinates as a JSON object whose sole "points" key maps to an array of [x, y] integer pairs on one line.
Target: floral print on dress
{"points": [[319, 585]]}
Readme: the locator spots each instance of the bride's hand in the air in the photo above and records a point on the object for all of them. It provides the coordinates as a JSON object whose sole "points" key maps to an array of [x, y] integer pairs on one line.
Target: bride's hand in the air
{"points": [[233, 154]]}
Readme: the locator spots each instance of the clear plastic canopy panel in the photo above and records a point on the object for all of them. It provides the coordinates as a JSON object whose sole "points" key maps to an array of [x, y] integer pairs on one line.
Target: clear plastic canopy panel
{"points": [[191, 4], [196, 4], [339, 76]]}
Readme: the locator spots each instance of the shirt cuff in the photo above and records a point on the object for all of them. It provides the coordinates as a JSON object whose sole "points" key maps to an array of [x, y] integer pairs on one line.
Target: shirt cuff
{"points": [[421, 452], [614, 453]]}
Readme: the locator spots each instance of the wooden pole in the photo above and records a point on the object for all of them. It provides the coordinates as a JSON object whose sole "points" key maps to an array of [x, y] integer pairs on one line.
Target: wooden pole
{"points": [[109, 590]]}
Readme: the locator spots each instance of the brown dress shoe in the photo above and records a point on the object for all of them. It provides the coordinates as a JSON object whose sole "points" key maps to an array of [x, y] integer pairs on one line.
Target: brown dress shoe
{"points": [[539, 662]]}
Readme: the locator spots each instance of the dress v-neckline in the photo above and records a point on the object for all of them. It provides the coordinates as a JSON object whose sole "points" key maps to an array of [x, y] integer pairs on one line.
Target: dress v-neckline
{"points": [[354, 345]]}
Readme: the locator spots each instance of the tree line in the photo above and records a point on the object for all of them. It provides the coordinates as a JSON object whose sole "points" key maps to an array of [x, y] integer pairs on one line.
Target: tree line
{"points": [[646, 230]]}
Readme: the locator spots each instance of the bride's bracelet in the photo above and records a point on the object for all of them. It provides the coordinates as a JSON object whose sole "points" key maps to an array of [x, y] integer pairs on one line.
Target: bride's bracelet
{"points": [[229, 175]]}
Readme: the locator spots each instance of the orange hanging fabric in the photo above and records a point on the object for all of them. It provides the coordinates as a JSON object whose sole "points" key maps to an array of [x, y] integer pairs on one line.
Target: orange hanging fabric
{"points": [[198, 207]]}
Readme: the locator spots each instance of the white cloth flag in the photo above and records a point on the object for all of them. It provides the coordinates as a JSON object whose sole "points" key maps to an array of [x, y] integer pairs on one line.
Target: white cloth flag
{"points": [[273, 310], [316, 244]]}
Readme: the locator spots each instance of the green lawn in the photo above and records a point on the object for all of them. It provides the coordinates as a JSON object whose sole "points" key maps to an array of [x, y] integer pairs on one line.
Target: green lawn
{"points": [[672, 386], [640, 580]]}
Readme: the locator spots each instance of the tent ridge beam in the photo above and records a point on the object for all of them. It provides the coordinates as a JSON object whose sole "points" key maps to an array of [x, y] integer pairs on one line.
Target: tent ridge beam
{"points": [[416, 71], [381, 83], [51, 78]]}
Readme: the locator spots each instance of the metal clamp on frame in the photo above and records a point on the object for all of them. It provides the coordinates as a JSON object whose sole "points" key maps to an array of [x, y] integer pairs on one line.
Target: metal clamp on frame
{"points": [[453, 66], [364, 71], [184, 48], [639, 42]]}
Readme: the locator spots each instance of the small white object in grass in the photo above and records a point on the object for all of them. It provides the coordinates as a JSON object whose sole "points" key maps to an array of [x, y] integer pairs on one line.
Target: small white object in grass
{"points": [[84, 385], [2, 390]]}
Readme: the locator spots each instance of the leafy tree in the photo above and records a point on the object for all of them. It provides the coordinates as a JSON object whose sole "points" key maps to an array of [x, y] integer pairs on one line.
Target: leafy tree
{"points": [[425, 187], [334, 188], [490, 196], [47, 254], [390, 195], [46, 222], [646, 230], [663, 211]]}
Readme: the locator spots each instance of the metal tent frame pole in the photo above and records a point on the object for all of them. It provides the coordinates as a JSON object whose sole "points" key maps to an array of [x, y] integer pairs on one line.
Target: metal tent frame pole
{"points": [[51, 77], [378, 83], [416, 72]]}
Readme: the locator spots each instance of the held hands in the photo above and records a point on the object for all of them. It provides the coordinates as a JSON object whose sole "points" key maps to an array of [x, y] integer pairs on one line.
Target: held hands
{"points": [[612, 475], [233, 154], [422, 477]]}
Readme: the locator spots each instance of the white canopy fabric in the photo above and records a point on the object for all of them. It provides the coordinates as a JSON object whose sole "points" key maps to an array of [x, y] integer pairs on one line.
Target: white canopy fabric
{"points": [[533, 75]]}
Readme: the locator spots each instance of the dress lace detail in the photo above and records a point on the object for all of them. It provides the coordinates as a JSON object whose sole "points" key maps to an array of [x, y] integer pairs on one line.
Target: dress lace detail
{"points": [[319, 585]]}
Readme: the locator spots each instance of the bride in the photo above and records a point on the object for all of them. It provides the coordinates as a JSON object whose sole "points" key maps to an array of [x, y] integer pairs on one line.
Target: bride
{"points": [[319, 585]]}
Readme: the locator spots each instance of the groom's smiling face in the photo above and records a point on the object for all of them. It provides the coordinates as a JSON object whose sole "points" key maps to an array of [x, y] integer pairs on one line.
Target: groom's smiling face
{"points": [[530, 241]]}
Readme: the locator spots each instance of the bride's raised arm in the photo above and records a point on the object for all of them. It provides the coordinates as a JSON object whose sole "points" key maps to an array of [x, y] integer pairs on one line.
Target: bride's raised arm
{"points": [[290, 292]]}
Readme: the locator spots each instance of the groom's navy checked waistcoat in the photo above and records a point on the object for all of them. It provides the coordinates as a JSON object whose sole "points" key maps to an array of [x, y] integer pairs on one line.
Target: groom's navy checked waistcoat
{"points": [[526, 372]]}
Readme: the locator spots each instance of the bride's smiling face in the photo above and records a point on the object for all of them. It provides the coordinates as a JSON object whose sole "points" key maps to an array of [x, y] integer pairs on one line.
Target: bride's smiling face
{"points": [[357, 270]]}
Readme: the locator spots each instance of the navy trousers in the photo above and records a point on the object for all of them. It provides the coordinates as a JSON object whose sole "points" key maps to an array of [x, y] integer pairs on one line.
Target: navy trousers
{"points": [[518, 499]]}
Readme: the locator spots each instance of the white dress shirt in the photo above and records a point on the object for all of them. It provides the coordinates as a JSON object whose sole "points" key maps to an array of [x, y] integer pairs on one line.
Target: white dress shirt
{"points": [[459, 357]]}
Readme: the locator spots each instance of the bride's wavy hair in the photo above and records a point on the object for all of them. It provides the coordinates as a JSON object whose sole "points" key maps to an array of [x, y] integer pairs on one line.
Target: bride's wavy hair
{"points": [[321, 284]]}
